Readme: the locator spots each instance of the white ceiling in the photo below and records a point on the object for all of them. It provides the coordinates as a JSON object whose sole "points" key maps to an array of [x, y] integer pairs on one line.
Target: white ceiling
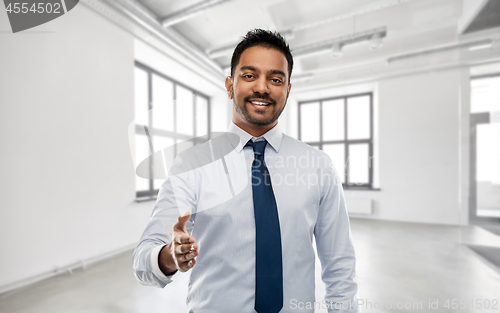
{"points": [[412, 26]]}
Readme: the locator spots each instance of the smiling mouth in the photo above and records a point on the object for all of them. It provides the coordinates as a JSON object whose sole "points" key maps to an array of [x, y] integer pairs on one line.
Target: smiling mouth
{"points": [[259, 102]]}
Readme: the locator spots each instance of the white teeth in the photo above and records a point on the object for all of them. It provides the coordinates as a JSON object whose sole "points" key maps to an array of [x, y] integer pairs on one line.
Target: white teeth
{"points": [[259, 103]]}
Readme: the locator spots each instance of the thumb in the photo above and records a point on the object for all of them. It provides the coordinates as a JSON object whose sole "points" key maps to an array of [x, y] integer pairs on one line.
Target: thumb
{"points": [[181, 223]]}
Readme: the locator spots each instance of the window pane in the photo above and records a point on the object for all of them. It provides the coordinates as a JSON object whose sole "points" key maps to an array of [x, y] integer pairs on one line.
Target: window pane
{"points": [[157, 183], [163, 104], [488, 170], [141, 184], [141, 96], [309, 122], [358, 117], [358, 163], [333, 120], [485, 95], [201, 116], [488, 153], [337, 154], [142, 151], [161, 142], [184, 108]]}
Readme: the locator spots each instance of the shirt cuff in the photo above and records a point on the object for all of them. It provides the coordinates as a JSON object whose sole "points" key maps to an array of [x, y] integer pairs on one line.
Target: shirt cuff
{"points": [[156, 267]]}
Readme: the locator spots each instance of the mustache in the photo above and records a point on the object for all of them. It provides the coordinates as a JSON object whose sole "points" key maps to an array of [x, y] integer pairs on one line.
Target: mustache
{"points": [[258, 95]]}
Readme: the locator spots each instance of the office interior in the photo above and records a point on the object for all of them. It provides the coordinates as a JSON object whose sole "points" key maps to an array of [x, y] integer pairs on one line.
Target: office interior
{"points": [[404, 95]]}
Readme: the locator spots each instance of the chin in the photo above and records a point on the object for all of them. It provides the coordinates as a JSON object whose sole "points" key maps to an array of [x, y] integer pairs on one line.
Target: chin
{"points": [[259, 122]]}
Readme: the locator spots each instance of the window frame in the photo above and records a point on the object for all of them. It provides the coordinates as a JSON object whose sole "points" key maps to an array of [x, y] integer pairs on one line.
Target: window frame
{"points": [[476, 119], [347, 142], [150, 194]]}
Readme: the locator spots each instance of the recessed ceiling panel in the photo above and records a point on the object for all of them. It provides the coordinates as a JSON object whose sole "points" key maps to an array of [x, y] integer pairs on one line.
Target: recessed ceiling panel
{"points": [[162, 8], [488, 17], [227, 23]]}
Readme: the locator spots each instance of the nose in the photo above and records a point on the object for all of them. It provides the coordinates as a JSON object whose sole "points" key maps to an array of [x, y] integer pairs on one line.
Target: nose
{"points": [[260, 86]]}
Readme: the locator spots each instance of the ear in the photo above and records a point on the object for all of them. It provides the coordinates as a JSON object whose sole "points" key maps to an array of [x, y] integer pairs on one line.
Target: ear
{"points": [[229, 87], [288, 90]]}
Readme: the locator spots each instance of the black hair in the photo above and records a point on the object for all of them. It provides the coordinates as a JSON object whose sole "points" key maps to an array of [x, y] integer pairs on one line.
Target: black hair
{"points": [[264, 38]]}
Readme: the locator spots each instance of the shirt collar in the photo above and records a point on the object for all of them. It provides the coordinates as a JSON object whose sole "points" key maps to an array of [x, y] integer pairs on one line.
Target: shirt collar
{"points": [[273, 136]]}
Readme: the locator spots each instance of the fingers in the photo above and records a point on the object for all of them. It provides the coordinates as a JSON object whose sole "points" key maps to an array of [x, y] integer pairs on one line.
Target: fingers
{"points": [[181, 222], [186, 253], [186, 257], [186, 266], [186, 261], [183, 249], [181, 238]]}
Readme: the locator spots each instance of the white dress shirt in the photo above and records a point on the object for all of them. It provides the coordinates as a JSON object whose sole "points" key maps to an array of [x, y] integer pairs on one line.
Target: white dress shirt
{"points": [[310, 201]]}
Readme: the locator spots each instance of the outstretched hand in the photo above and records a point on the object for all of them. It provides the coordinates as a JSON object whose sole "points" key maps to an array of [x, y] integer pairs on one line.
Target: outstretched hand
{"points": [[179, 254]]}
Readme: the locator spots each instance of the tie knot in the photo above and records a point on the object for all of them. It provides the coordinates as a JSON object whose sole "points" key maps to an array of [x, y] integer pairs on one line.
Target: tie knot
{"points": [[258, 146]]}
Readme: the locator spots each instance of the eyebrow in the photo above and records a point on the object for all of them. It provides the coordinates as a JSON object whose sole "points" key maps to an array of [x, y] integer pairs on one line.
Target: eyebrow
{"points": [[248, 68], [251, 68], [277, 72]]}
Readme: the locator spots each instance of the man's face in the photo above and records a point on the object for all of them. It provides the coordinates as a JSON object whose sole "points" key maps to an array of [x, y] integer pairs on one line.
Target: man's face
{"points": [[259, 88]]}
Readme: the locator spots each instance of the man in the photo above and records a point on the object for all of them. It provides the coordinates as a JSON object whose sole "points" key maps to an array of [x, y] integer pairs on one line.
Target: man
{"points": [[252, 251]]}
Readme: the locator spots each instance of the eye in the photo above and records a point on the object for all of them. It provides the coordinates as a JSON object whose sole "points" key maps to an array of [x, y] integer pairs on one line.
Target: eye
{"points": [[277, 80], [249, 76]]}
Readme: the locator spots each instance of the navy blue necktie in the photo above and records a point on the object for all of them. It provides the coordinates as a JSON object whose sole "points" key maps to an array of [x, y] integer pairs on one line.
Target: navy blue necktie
{"points": [[268, 259]]}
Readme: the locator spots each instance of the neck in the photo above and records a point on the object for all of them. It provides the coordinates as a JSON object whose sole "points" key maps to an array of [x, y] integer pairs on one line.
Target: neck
{"points": [[255, 131]]}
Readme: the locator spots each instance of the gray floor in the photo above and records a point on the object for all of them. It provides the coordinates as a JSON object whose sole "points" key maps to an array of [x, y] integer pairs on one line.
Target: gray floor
{"points": [[492, 228], [399, 264], [489, 255], [488, 196]]}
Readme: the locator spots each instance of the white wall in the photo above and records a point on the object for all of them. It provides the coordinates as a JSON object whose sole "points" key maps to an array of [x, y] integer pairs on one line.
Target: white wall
{"points": [[67, 180], [418, 149], [464, 137], [221, 112], [288, 120]]}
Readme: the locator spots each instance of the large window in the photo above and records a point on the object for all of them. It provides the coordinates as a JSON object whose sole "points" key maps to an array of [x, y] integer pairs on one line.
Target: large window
{"points": [[484, 178], [343, 128], [166, 113]]}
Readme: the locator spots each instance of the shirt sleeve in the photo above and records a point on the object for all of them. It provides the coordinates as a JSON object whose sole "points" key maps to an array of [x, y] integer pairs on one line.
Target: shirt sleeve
{"points": [[177, 193], [334, 245]]}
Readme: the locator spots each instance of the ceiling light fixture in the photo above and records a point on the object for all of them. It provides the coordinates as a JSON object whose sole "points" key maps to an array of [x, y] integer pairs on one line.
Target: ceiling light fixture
{"points": [[462, 45], [289, 34], [190, 12], [336, 50], [480, 47], [380, 33], [376, 42]]}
